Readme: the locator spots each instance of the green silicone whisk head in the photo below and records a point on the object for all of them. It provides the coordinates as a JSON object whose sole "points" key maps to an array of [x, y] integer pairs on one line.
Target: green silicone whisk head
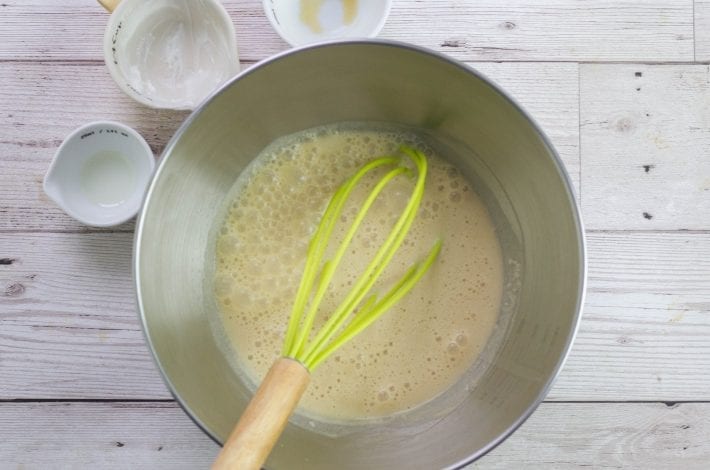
{"points": [[343, 325]]}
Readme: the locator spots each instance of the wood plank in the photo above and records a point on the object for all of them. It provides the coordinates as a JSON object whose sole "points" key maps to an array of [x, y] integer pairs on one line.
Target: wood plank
{"points": [[160, 436], [645, 140], [68, 327], [68, 324], [702, 30], [40, 103], [101, 436], [549, 30], [608, 435], [645, 331]]}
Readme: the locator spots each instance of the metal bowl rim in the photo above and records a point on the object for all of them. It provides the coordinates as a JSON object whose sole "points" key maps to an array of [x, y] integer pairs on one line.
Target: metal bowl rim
{"points": [[582, 247]]}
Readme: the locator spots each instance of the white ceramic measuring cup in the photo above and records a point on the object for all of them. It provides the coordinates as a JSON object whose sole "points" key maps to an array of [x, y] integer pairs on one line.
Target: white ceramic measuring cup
{"points": [[99, 174], [301, 22], [169, 54]]}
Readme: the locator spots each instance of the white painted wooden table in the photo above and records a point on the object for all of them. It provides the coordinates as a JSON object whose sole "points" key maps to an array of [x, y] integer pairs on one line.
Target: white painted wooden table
{"points": [[621, 86]]}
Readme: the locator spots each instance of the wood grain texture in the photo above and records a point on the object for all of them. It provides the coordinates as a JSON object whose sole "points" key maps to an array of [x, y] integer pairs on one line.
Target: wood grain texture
{"points": [[564, 30], [68, 327], [264, 419], [41, 103], [702, 30], [551, 30], [161, 436], [620, 435], [68, 323], [645, 140], [101, 436], [645, 331]]}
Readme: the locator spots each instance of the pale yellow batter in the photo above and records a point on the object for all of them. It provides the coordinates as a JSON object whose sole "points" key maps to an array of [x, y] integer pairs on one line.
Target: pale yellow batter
{"points": [[418, 349]]}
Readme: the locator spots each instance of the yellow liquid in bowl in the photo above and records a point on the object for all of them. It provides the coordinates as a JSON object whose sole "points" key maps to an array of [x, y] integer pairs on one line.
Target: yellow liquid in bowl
{"points": [[418, 349]]}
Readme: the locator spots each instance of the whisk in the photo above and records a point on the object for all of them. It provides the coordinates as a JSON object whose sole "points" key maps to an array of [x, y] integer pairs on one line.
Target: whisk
{"points": [[266, 416]]}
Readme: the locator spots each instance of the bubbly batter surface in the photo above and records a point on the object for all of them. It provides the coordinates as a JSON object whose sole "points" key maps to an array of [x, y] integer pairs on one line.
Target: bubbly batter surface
{"points": [[415, 351]]}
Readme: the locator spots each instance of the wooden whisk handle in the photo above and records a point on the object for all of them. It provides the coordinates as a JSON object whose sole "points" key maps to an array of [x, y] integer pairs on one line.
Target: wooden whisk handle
{"points": [[265, 418]]}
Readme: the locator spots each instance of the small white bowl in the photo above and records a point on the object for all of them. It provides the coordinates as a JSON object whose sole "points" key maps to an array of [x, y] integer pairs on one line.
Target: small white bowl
{"points": [[295, 27], [99, 174], [170, 54]]}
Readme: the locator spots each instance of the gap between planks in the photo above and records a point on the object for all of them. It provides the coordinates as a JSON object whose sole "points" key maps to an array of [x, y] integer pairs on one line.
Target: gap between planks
{"points": [[87, 400], [482, 29], [169, 400], [91, 231], [248, 63]]}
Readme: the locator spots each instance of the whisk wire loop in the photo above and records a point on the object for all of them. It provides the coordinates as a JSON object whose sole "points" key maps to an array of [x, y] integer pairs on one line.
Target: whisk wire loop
{"points": [[344, 324], [318, 244]]}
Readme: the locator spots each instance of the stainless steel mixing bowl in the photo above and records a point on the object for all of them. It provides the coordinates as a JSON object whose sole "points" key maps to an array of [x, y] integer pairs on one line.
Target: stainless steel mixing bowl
{"points": [[473, 122]]}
